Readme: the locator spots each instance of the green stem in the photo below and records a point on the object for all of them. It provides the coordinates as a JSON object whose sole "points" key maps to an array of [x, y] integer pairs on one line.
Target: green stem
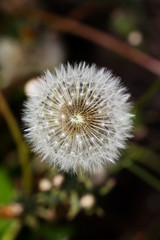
{"points": [[21, 146]]}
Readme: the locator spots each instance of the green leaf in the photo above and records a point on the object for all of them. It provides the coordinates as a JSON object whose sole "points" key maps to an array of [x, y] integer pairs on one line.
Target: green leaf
{"points": [[4, 225], [9, 228], [6, 187], [50, 232]]}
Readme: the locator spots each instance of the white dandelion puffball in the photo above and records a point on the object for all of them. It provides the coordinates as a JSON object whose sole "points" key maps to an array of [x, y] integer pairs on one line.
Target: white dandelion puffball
{"points": [[78, 118]]}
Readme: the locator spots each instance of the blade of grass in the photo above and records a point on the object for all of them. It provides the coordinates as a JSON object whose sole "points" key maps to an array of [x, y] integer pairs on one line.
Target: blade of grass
{"points": [[147, 95], [144, 175], [140, 105], [143, 155], [136, 154]]}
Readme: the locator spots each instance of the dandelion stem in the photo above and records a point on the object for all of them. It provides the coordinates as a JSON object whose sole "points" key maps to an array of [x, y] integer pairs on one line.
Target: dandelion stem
{"points": [[21, 146]]}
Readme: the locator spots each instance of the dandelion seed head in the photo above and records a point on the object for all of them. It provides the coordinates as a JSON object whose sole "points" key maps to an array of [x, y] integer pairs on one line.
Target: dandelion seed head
{"points": [[78, 118]]}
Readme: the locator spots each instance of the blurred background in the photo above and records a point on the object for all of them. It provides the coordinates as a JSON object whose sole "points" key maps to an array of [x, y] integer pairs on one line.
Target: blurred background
{"points": [[123, 201]]}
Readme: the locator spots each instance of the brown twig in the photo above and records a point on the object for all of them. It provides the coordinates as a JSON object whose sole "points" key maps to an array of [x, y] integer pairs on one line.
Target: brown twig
{"points": [[103, 39]]}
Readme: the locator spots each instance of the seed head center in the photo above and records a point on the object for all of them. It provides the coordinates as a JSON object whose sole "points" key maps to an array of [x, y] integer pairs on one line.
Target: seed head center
{"points": [[78, 119]]}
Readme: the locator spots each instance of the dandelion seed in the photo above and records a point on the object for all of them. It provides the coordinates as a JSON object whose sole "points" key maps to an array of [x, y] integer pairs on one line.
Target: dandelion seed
{"points": [[79, 118]]}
